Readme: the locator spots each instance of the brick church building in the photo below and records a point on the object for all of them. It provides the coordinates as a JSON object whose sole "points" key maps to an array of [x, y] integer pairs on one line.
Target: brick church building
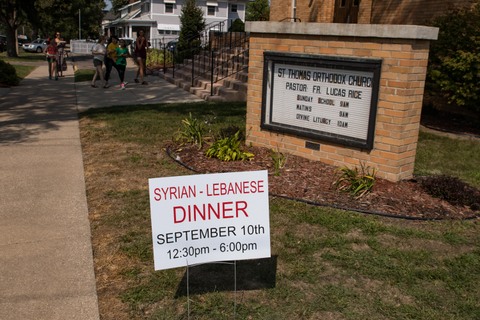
{"points": [[412, 12]]}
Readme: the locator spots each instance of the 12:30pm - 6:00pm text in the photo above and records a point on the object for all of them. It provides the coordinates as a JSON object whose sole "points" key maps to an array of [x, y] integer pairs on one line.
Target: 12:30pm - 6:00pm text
{"points": [[223, 247]]}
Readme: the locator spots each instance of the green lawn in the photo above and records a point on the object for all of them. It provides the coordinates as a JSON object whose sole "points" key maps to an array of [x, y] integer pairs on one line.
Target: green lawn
{"points": [[84, 75], [442, 155], [326, 263], [25, 62], [24, 57]]}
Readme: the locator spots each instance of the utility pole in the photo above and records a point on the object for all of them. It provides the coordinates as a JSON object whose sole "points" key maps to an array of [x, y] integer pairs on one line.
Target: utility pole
{"points": [[79, 24]]}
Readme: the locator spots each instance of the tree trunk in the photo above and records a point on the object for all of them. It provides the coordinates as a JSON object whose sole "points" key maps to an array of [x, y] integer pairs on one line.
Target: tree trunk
{"points": [[12, 41]]}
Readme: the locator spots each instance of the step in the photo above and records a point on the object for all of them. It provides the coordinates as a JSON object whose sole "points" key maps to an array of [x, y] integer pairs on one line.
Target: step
{"points": [[231, 88], [227, 89]]}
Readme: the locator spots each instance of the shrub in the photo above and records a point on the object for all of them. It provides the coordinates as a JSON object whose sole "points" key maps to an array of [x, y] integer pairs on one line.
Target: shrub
{"points": [[155, 58], [452, 190], [8, 74], [237, 26], [454, 62]]}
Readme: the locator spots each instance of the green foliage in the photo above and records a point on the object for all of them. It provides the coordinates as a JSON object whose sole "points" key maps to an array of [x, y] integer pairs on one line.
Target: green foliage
{"points": [[454, 63], [258, 10], [63, 16], [117, 4], [357, 182], [193, 131], [237, 26], [192, 23], [14, 13], [228, 149], [156, 57], [8, 74], [48, 16]]}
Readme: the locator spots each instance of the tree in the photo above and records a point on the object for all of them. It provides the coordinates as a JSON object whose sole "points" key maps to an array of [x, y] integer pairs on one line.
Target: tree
{"points": [[14, 13], [117, 4], [48, 16], [192, 24], [63, 16], [454, 61], [258, 10]]}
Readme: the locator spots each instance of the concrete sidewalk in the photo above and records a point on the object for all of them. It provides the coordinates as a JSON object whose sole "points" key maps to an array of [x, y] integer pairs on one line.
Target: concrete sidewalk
{"points": [[46, 264], [157, 91]]}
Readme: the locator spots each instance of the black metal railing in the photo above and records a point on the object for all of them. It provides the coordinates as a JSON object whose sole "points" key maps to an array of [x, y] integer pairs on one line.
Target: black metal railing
{"points": [[229, 57], [214, 55]]}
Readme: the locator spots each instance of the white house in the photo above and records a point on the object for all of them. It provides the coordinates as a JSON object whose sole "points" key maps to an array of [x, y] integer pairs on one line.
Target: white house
{"points": [[160, 19]]}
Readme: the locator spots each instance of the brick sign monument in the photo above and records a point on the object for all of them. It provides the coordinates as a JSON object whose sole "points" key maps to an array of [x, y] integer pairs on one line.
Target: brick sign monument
{"points": [[343, 94]]}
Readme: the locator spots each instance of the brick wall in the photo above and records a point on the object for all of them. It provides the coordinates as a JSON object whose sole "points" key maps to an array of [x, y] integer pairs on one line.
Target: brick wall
{"points": [[280, 9], [416, 12], [365, 11], [411, 12], [400, 94], [307, 11]]}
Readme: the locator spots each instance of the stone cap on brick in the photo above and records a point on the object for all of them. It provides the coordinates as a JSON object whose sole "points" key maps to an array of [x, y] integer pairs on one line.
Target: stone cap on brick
{"points": [[342, 29]]}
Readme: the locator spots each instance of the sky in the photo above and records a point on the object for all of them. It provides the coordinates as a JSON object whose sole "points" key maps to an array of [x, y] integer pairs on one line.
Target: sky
{"points": [[108, 4]]}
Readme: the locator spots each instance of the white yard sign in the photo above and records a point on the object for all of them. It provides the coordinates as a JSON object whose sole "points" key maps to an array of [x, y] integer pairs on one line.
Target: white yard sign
{"points": [[210, 217]]}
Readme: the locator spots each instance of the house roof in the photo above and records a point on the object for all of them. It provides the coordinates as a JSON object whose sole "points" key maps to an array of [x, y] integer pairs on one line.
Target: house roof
{"points": [[129, 16], [133, 16], [110, 15]]}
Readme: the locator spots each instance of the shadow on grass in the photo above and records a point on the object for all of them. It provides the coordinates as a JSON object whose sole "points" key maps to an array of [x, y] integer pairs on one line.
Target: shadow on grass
{"points": [[195, 108], [213, 277]]}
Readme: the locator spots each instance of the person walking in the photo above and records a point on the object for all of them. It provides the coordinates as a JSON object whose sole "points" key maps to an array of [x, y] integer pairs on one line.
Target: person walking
{"points": [[61, 53], [111, 58], [141, 45], [121, 62], [99, 52], [51, 52]]}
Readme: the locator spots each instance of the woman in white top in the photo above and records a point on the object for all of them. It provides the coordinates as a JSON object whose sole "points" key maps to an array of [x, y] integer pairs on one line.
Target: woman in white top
{"points": [[99, 52]]}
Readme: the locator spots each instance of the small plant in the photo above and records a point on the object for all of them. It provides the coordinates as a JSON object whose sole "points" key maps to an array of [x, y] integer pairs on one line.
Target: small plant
{"points": [[357, 182], [193, 131], [157, 59], [279, 160], [228, 149]]}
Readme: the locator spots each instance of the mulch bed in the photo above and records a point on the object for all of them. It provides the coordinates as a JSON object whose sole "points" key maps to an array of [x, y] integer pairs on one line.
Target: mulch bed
{"points": [[311, 181]]}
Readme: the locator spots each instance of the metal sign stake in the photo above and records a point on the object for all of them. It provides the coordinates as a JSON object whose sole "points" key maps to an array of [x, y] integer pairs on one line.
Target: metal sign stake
{"points": [[234, 263]]}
